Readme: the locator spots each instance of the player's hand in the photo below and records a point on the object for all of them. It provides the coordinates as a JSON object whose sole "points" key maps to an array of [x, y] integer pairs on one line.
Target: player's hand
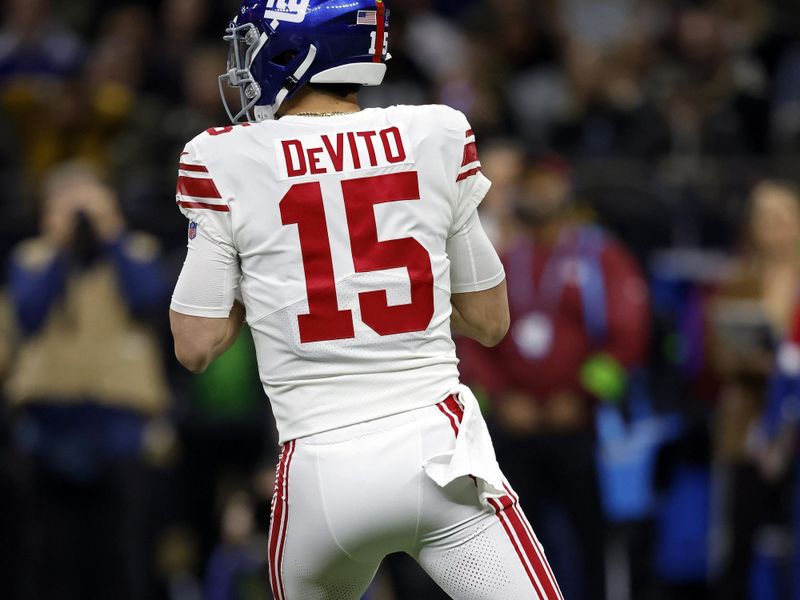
{"points": [[59, 219], [100, 206], [519, 414]]}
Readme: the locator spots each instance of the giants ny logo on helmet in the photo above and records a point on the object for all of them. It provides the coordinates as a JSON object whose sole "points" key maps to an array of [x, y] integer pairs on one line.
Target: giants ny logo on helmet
{"points": [[293, 11]]}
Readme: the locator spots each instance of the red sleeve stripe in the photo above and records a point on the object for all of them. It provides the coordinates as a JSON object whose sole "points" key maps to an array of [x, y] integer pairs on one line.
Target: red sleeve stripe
{"points": [[467, 174], [470, 154], [194, 168], [470, 133], [197, 188], [216, 207]]}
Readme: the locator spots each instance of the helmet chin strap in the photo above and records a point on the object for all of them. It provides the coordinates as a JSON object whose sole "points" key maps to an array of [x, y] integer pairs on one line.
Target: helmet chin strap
{"points": [[265, 113]]}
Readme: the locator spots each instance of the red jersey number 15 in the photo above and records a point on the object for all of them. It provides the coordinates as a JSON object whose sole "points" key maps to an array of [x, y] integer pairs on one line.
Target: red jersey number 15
{"points": [[303, 206]]}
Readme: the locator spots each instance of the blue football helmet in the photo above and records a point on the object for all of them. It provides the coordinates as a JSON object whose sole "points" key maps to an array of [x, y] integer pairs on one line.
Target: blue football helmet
{"points": [[278, 46]]}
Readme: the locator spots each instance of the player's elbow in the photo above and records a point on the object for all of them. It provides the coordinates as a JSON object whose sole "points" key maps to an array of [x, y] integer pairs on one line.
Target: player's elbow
{"points": [[484, 315], [192, 359], [194, 341], [492, 326], [193, 356], [495, 330]]}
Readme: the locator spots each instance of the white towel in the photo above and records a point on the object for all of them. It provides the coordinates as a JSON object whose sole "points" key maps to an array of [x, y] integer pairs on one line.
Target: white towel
{"points": [[473, 453]]}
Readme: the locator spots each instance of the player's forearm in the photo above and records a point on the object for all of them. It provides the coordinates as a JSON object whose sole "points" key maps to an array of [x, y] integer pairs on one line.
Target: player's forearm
{"points": [[234, 327], [482, 316], [458, 325], [485, 334], [199, 341]]}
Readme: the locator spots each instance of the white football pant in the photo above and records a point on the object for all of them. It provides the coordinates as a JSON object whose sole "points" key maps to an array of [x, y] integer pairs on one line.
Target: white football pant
{"points": [[348, 497]]}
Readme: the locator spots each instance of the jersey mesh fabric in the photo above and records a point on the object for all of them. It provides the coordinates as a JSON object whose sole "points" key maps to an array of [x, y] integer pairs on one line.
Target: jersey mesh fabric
{"points": [[472, 571]]}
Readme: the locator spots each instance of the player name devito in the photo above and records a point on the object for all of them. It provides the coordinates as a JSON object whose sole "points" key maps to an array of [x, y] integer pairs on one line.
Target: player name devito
{"points": [[340, 152]]}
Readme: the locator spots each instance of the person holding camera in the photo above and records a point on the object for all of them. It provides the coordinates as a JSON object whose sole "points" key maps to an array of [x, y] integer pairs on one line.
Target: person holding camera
{"points": [[87, 378]]}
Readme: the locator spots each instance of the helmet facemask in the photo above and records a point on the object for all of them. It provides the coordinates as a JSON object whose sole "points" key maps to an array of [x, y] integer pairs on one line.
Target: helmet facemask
{"points": [[245, 43]]}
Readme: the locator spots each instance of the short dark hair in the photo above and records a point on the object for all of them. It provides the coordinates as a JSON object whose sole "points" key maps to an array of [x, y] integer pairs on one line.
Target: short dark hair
{"points": [[342, 90]]}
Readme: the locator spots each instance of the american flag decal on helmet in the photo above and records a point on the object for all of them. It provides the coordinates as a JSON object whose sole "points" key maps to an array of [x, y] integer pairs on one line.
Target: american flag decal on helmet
{"points": [[367, 17]]}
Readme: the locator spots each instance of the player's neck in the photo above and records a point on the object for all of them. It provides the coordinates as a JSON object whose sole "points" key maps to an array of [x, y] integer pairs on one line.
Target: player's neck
{"points": [[319, 103]]}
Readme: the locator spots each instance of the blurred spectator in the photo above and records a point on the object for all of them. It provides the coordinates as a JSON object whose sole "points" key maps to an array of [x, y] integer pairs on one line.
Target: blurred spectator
{"points": [[515, 58], [11, 528], [503, 162], [181, 23], [35, 44], [201, 108], [776, 442], [579, 322], [435, 44], [235, 568], [786, 101], [607, 67], [95, 106], [88, 377], [604, 24], [716, 96], [749, 314]]}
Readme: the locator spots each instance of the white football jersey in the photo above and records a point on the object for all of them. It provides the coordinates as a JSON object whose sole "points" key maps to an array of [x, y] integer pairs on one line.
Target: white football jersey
{"points": [[340, 226]]}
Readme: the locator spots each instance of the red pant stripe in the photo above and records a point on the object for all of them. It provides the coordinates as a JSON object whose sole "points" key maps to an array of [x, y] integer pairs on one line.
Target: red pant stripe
{"points": [[454, 407], [542, 559], [532, 553], [523, 558], [276, 520], [282, 544], [450, 408], [278, 526], [274, 524], [515, 524], [449, 417]]}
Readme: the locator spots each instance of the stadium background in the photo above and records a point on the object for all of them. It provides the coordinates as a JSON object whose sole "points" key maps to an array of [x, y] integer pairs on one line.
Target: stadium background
{"points": [[669, 112]]}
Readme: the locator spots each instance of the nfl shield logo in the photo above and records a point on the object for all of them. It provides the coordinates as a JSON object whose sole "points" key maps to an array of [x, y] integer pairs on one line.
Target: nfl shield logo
{"points": [[192, 230]]}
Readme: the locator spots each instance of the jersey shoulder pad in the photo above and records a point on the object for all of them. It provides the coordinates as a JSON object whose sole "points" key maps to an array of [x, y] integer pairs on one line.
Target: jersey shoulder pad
{"points": [[219, 136], [435, 117]]}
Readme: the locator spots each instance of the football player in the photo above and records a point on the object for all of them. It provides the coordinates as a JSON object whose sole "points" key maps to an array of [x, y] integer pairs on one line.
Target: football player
{"points": [[350, 239]]}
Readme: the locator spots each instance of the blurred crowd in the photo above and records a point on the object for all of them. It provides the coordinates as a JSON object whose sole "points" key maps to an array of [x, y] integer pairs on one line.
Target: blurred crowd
{"points": [[645, 158]]}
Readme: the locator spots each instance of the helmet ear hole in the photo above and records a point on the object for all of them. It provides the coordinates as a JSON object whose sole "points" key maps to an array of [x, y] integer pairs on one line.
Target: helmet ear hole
{"points": [[284, 58]]}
